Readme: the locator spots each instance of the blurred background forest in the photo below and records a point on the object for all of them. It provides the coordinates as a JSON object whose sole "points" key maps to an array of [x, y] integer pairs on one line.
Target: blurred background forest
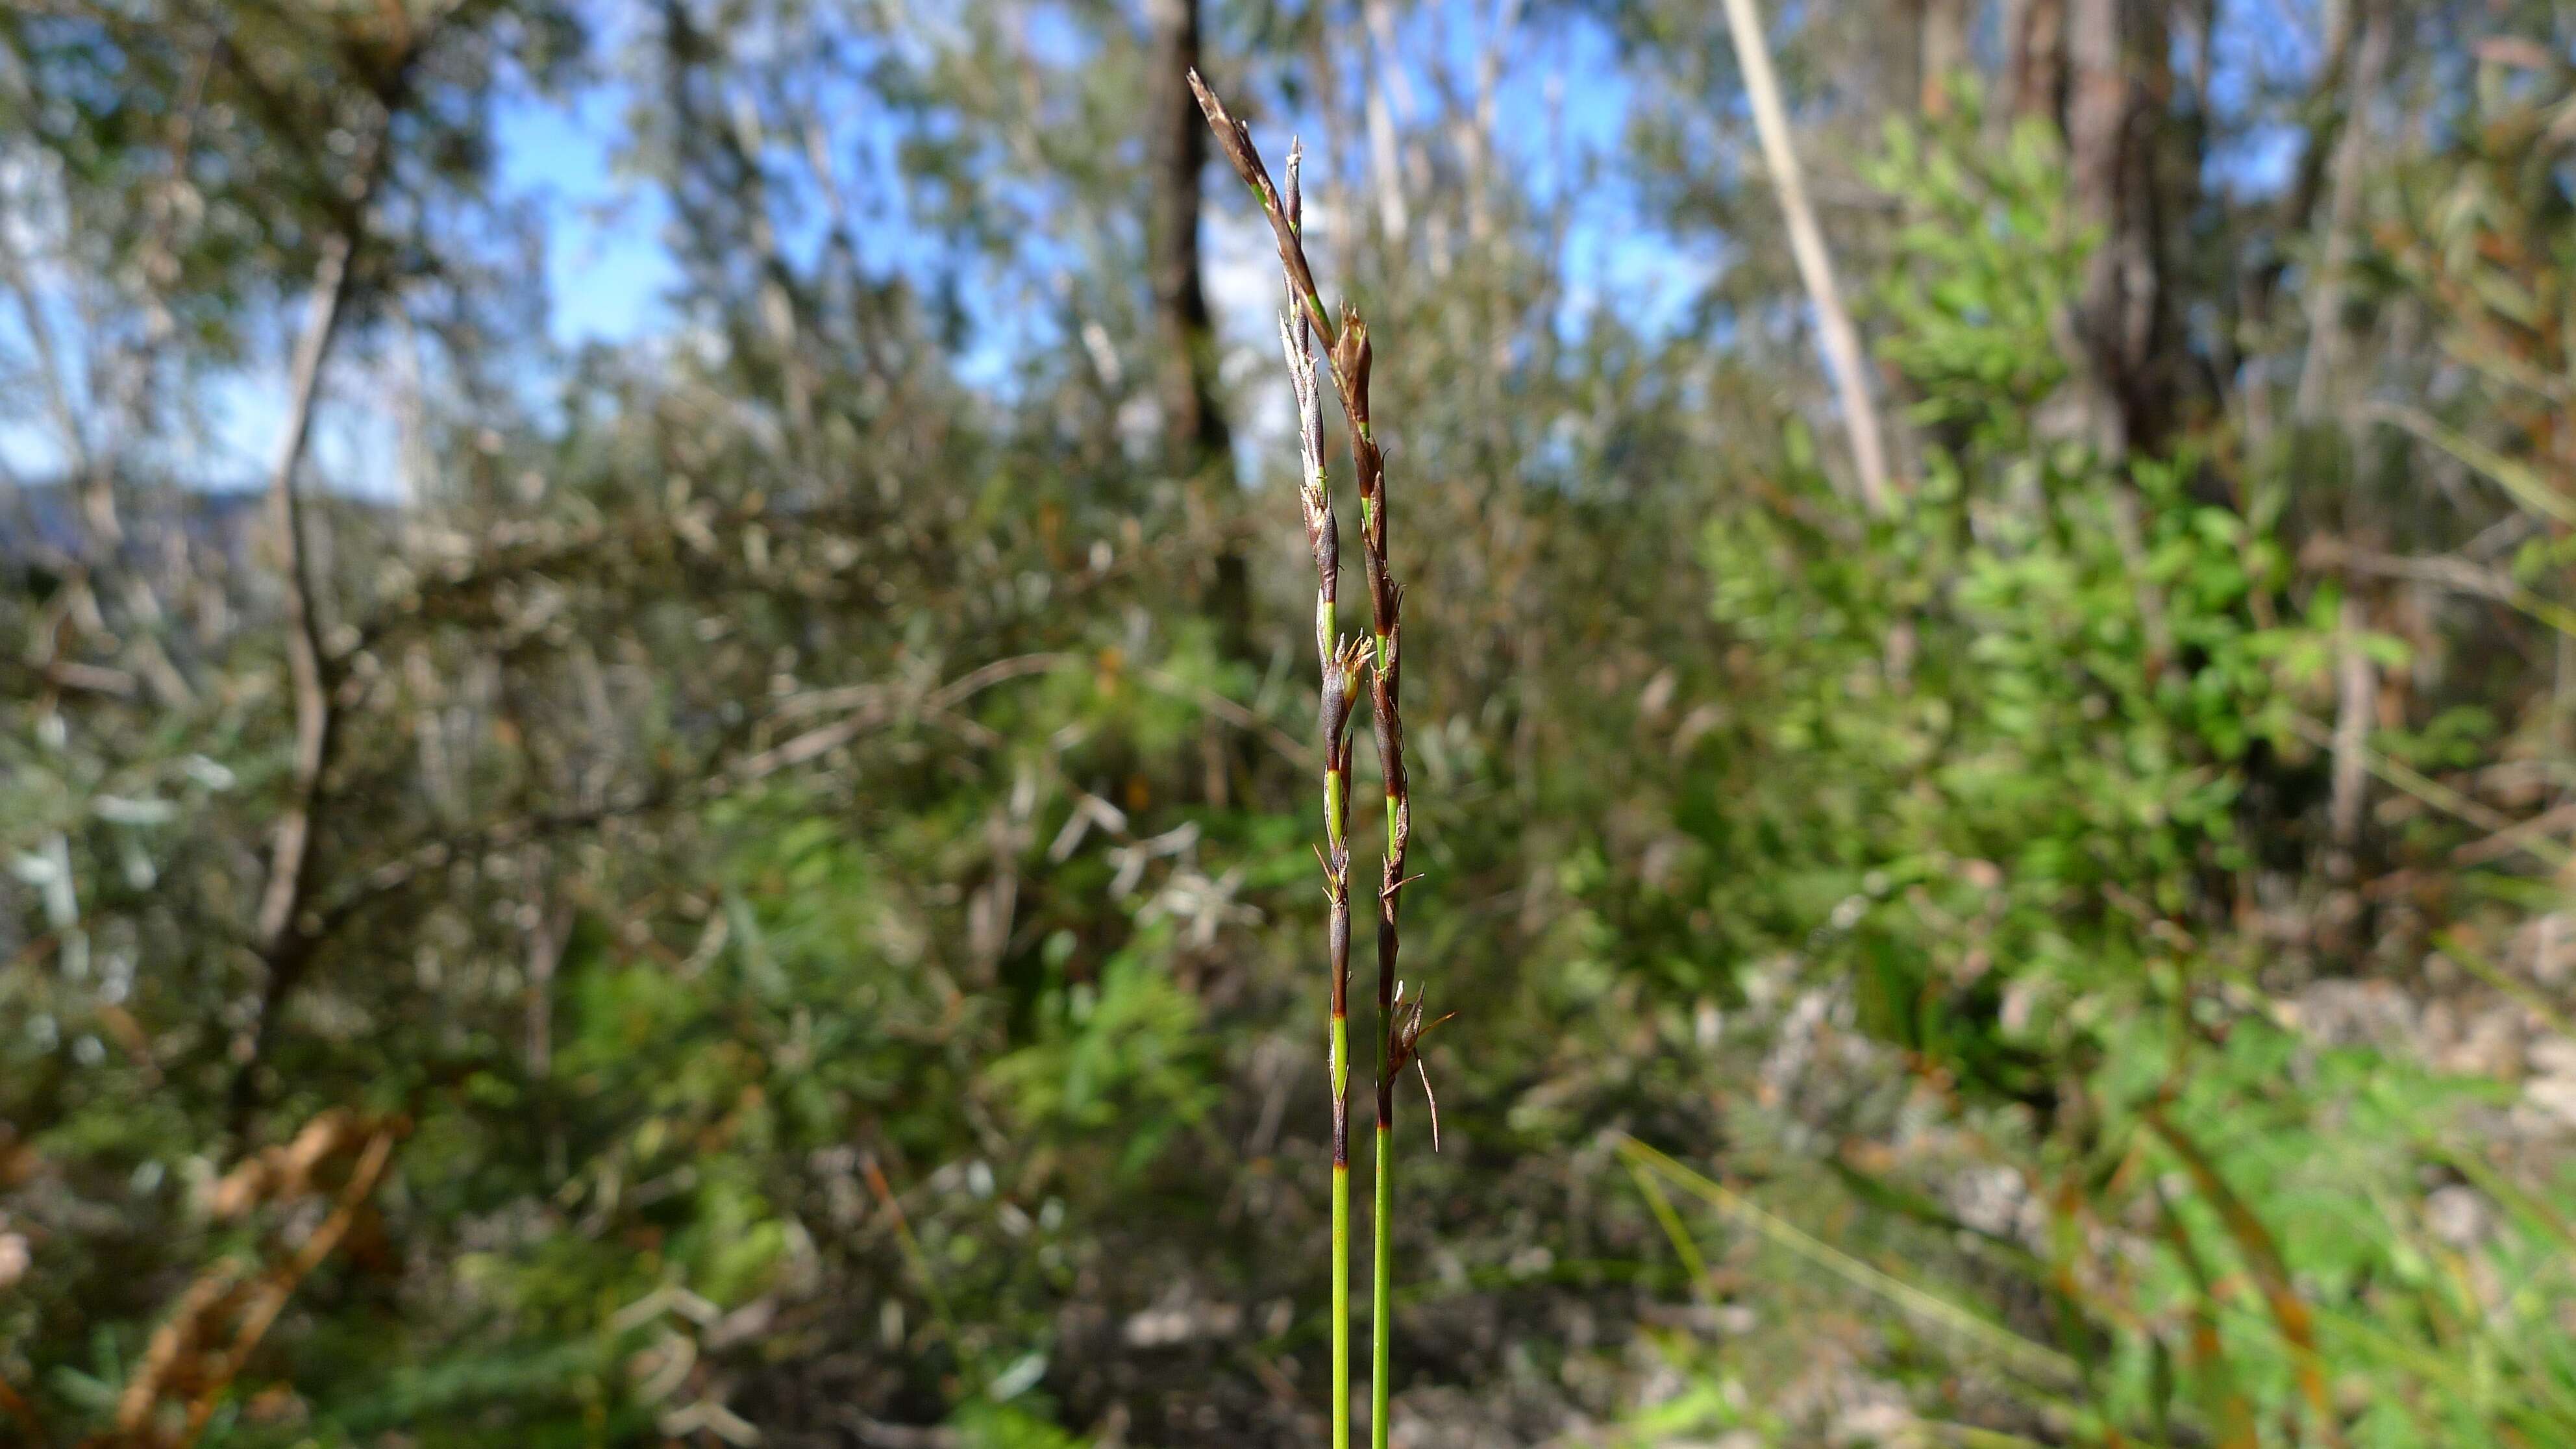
{"points": [[655, 723]]}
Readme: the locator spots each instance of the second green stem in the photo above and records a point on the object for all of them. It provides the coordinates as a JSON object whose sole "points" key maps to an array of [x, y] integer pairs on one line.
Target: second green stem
{"points": [[1341, 1249], [1381, 1287]]}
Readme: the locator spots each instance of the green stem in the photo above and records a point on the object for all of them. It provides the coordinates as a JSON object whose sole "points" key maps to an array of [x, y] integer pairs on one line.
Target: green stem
{"points": [[1381, 1288], [1341, 1252]]}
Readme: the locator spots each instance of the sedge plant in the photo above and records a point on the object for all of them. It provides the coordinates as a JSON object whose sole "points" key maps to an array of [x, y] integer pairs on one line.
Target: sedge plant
{"points": [[1342, 663]]}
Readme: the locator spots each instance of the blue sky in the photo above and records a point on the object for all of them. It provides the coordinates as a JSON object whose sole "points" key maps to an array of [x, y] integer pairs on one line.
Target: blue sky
{"points": [[608, 271], [607, 268]]}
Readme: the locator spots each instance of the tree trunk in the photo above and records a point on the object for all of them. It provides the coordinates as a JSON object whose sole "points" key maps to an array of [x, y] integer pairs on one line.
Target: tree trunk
{"points": [[1942, 52], [1845, 361], [2035, 30], [1198, 444], [1177, 150], [2119, 90], [2343, 214]]}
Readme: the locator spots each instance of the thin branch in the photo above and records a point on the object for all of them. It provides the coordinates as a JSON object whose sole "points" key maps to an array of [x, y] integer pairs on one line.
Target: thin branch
{"points": [[2343, 208], [2549, 823], [1841, 341], [2520, 479], [313, 709], [2440, 796], [2457, 575], [283, 948], [2356, 687], [281, 1283], [2024, 1355]]}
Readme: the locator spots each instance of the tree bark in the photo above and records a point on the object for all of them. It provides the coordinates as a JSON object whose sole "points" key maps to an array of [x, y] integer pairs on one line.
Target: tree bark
{"points": [[1841, 341], [284, 947], [1386, 172], [1193, 422], [280, 937], [2035, 31], [2343, 213], [1942, 52], [2120, 86], [1199, 445]]}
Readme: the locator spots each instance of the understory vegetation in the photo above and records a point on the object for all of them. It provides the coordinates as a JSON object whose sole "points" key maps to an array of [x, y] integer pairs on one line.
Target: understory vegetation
{"points": [[749, 875]]}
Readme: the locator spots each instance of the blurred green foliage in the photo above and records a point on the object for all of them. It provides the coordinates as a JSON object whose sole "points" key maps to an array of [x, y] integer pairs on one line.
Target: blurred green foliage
{"points": [[815, 883]]}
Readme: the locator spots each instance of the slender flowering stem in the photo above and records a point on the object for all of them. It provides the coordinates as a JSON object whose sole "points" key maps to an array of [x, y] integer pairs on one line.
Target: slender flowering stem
{"points": [[1338, 666], [1401, 1024]]}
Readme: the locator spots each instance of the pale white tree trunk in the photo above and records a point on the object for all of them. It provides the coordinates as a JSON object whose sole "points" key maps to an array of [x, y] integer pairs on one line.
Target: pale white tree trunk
{"points": [[1840, 340]]}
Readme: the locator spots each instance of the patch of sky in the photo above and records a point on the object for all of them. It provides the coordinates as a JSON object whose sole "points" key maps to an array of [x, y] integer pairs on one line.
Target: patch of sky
{"points": [[607, 268], [1562, 100]]}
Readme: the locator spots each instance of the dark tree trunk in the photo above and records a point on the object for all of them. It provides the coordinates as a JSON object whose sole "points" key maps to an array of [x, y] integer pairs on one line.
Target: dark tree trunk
{"points": [[2119, 96], [1198, 443], [1177, 150], [2036, 67]]}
